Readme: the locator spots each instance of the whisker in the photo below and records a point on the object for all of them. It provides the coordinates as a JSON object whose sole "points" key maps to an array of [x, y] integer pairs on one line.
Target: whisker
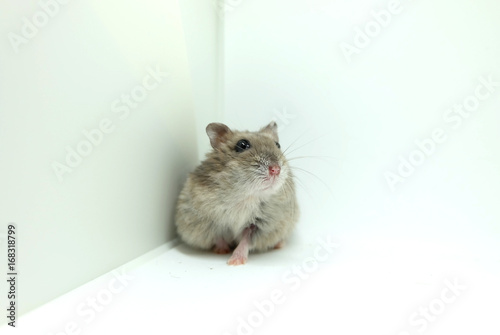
{"points": [[323, 158], [303, 145], [298, 138], [317, 178], [301, 184]]}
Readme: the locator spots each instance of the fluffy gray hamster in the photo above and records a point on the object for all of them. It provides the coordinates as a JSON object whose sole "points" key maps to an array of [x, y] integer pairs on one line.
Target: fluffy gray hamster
{"points": [[241, 196]]}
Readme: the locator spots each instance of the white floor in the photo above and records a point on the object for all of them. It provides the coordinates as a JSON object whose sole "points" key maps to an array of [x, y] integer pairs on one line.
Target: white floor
{"points": [[318, 283]]}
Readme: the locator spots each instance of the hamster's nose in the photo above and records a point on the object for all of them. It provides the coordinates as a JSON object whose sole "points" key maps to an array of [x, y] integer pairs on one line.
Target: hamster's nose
{"points": [[274, 170]]}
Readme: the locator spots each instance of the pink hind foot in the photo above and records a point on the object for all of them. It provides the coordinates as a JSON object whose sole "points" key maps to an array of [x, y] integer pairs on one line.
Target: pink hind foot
{"points": [[221, 247], [237, 259], [240, 254]]}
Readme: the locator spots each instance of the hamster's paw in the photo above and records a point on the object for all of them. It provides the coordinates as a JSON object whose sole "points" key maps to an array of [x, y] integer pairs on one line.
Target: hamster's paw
{"points": [[240, 254], [221, 247], [237, 259], [279, 245]]}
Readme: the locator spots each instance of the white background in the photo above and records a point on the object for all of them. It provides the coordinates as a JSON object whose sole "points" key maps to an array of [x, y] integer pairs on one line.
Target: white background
{"points": [[355, 119], [362, 114]]}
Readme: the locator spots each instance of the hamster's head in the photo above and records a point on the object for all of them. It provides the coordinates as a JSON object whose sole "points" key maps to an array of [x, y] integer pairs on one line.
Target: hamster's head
{"points": [[251, 162]]}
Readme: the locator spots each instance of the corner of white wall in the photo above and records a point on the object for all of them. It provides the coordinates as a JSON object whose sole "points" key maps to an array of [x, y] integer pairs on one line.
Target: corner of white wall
{"points": [[97, 133], [203, 28]]}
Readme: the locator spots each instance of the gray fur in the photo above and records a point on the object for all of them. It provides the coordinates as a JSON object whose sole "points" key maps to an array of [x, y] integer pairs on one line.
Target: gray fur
{"points": [[227, 192]]}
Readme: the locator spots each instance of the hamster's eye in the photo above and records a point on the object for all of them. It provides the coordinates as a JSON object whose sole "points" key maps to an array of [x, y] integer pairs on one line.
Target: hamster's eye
{"points": [[242, 145], [278, 145]]}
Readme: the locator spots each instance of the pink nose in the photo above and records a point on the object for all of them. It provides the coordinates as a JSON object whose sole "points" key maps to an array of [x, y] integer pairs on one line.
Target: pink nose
{"points": [[274, 170]]}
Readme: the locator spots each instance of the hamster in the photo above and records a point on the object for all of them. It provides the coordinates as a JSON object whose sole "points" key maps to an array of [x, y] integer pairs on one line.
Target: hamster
{"points": [[241, 196]]}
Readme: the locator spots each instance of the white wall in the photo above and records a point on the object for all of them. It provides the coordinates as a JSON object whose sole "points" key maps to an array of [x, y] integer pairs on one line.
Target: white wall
{"points": [[362, 111], [73, 74], [204, 33]]}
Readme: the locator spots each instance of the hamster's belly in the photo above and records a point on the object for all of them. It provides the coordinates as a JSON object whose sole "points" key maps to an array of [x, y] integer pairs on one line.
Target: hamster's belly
{"points": [[237, 215]]}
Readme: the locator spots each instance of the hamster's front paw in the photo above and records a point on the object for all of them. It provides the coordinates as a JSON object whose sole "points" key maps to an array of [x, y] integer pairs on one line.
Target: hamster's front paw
{"points": [[221, 247], [279, 245]]}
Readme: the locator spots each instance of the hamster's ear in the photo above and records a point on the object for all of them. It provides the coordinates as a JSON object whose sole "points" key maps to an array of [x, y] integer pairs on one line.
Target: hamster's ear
{"points": [[218, 133], [272, 129]]}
